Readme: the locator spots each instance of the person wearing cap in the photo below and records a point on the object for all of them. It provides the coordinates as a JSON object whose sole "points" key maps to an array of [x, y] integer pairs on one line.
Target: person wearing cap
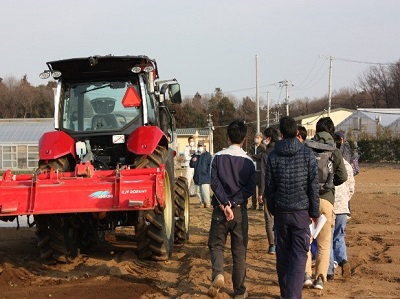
{"points": [[255, 153], [343, 146], [201, 161]]}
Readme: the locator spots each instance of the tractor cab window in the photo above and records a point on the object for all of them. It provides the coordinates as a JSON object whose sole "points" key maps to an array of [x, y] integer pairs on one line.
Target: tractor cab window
{"points": [[94, 106]]}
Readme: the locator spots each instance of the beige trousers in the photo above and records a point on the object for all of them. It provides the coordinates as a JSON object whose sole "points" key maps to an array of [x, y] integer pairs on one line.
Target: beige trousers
{"points": [[324, 242]]}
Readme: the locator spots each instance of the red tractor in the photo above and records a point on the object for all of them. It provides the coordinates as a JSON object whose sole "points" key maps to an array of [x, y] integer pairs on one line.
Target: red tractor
{"points": [[107, 164]]}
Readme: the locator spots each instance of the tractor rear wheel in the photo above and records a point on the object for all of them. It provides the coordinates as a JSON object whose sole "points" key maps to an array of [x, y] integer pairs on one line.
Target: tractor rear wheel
{"points": [[155, 228], [181, 211]]}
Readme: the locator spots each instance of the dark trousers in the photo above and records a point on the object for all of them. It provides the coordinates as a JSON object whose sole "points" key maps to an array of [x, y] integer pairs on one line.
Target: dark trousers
{"points": [[238, 229], [292, 237]]}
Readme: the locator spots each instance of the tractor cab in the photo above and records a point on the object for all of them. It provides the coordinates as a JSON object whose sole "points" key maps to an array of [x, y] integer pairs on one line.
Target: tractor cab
{"points": [[101, 100]]}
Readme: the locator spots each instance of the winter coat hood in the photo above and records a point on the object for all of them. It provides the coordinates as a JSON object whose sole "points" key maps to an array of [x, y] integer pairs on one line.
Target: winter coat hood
{"points": [[324, 137]]}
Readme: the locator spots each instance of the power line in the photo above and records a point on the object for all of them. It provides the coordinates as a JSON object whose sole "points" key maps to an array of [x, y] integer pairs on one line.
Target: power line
{"points": [[315, 63], [365, 62], [308, 85]]}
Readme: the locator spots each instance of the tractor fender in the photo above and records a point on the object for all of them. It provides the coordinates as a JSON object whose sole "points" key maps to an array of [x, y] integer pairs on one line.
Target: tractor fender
{"points": [[144, 140], [56, 144]]}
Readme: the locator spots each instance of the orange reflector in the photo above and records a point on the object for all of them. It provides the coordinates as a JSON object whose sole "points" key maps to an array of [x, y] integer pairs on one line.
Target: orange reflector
{"points": [[131, 98]]}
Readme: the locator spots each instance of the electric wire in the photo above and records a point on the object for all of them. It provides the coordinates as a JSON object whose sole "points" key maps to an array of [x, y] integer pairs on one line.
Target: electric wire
{"points": [[312, 82], [315, 63], [365, 62]]}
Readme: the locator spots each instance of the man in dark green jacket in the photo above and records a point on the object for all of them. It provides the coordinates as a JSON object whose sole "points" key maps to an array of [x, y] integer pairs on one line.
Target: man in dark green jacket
{"points": [[325, 130]]}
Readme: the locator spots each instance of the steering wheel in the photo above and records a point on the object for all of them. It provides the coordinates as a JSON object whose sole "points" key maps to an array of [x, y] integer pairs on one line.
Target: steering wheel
{"points": [[121, 119]]}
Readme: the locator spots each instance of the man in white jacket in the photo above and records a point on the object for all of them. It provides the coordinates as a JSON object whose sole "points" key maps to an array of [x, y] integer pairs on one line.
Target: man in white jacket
{"points": [[343, 194]]}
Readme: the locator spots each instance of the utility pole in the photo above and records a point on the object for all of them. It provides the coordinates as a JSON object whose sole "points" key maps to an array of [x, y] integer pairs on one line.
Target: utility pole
{"points": [[267, 109], [330, 86], [257, 97], [286, 84], [211, 133], [330, 82]]}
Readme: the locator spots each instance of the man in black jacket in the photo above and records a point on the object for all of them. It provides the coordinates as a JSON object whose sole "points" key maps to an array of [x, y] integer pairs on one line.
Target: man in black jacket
{"points": [[291, 192]]}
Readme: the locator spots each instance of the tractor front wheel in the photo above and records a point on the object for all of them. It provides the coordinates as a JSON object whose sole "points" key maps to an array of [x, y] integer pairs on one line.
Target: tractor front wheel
{"points": [[155, 228]]}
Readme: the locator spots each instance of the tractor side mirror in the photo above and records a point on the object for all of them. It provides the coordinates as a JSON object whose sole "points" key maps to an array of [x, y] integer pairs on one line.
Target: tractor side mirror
{"points": [[175, 93]]}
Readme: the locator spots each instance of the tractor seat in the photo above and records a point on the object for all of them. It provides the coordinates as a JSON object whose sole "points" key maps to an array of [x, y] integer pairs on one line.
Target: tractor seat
{"points": [[104, 118]]}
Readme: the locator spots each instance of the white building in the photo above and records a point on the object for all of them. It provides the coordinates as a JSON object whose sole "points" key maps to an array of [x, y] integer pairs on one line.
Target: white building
{"points": [[370, 120], [19, 140]]}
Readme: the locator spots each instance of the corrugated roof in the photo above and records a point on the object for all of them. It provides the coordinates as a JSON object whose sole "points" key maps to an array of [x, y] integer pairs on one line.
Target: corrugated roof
{"points": [[26, 130], [192, 131], [385, 116]]}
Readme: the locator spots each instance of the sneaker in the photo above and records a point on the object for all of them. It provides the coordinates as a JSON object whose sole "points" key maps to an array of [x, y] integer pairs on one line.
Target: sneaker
{"points": [[307, 281], [242, 296], [346, 272], [330, 277], [218, 282], [271, 249], [318, 283], [206, 205], [260, 208]]}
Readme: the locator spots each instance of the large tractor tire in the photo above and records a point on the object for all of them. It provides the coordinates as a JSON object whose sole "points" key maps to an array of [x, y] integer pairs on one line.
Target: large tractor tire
{"points": [[181, 210], [58, 239], [155, 228]]}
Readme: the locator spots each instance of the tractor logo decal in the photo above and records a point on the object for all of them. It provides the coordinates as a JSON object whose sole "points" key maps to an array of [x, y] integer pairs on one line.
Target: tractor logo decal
{"points": [[101, 195]]}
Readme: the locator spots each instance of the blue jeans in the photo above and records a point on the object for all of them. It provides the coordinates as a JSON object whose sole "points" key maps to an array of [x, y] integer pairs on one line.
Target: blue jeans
{"points": [[338, 248], [238, 228], [292, 237]]}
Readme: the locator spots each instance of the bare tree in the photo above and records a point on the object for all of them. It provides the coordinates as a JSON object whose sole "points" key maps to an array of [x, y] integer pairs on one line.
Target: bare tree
{"points": [[383, 85]]}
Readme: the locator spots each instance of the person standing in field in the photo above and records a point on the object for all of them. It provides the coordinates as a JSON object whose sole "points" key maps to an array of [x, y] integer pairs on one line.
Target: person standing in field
{"points": [[270, 136], [343, 194], [190, 149], [325, 130], [201, 162], [256, 151], [232, 183], [291, 192]]}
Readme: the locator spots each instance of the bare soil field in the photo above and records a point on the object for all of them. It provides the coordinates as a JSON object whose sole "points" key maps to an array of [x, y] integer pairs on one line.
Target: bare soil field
{"points": [[112, 269]]}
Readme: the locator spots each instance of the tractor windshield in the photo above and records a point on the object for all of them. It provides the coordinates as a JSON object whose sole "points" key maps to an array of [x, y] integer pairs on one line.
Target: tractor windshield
{"points": [[94, 106]]}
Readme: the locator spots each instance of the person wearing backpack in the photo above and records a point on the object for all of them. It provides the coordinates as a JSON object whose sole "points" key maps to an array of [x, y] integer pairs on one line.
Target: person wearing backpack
{"points": [[325, 131]]}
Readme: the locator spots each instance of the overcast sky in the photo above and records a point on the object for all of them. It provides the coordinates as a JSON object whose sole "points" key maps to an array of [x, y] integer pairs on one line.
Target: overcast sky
{"points": [[207, 44]]}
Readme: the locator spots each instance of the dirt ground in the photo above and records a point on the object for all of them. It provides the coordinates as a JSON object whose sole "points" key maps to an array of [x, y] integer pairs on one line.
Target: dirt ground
{"points": [[112, 270]]}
